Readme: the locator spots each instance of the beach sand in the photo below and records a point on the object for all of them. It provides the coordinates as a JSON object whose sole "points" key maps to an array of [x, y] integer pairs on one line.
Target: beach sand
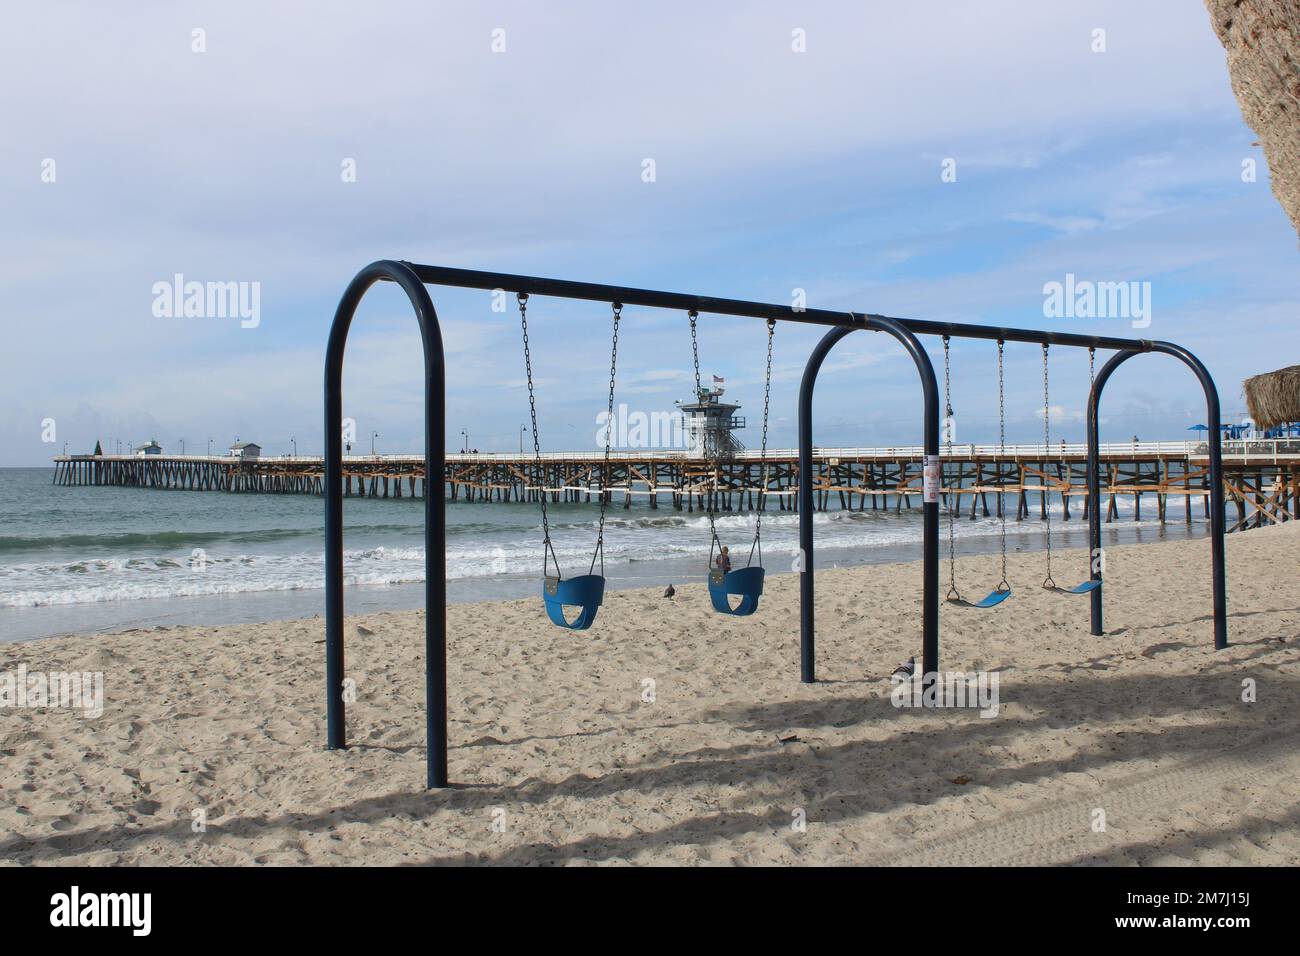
{"points": [[558, 759]]}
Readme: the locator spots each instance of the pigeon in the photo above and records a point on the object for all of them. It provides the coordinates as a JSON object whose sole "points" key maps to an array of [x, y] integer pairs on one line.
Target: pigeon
{"points": [[904, 670], [670, 592]]}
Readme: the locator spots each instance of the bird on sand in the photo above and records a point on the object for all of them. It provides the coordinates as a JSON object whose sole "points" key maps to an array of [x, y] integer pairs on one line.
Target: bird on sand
{"points": [[670, 592], [904, 670]]}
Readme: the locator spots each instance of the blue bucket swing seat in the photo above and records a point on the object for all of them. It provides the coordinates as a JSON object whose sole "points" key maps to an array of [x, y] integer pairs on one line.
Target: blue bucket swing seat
{"points": [[587, 591], [747, 583]]}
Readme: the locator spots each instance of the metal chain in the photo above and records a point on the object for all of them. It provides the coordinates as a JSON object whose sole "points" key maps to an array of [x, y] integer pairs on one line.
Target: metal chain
{"points": [[1047, 439], [605, 493], [695, 351], [1002, 451], [713, 528], [762, 453], [953, 593], [547, 548], [1092, 380]]}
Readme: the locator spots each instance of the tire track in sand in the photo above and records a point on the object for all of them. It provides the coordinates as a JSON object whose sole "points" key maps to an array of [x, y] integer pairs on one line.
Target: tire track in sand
{"points": [[1059, 830]]}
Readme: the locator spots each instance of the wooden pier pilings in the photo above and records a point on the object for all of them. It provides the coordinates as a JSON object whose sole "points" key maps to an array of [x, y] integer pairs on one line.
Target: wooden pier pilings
{"points": [[977, 481]]}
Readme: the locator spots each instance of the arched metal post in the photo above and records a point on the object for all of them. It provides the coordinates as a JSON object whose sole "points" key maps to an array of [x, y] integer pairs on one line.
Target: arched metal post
{"points": [[435, 583], [1216, 484], [930, 497]]}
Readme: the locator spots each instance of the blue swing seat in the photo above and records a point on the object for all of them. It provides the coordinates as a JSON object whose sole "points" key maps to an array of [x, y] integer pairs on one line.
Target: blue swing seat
{"points": [[745, 582], [993, 599], [586, 591], [1084, 588]]}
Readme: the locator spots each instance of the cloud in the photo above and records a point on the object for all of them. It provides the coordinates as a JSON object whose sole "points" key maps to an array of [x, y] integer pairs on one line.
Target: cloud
{"points": [[1067, 225], [1059, 414], [775, 170]]}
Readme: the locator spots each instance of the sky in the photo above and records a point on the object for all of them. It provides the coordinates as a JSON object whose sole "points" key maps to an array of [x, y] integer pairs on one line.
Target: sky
{"points": [[941, 161]]}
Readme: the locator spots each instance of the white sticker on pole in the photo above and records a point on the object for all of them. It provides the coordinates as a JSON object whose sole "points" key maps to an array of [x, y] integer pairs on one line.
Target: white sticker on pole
{"points": [[931, 487]]}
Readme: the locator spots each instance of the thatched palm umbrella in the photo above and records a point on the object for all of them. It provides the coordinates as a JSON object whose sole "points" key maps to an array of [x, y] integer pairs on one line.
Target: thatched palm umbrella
{"points": [[1274, 397]]}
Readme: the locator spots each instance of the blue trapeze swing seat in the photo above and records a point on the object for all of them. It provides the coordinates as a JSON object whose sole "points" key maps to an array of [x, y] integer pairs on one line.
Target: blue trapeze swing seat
{"points": [[1083, 588], [993, 598]]}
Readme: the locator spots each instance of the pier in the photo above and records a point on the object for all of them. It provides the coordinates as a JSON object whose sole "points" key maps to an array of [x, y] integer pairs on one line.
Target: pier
{"points": [[1261, 478]]}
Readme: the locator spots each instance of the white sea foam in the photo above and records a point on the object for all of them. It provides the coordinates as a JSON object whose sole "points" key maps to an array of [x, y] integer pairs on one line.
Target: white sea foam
{"points": [[628, 540]]}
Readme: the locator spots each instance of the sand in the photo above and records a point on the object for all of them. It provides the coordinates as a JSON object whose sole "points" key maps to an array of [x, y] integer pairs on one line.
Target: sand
{"points": [[210, 747]]}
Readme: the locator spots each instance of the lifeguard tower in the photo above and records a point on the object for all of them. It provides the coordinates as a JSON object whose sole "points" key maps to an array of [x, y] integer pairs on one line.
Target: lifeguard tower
{"points": [[709, 422]]}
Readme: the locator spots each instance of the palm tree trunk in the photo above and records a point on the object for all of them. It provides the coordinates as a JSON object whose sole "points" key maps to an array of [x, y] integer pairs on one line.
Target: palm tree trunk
{"points": [[1262, 40]]}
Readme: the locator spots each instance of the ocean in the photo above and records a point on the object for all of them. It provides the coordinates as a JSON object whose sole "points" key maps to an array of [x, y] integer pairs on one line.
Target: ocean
{"points": [[101, 559]]}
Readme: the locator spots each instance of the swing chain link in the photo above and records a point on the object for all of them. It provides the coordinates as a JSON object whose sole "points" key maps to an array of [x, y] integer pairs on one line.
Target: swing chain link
{"points": [[695, 355], [762, 452], [605, 492], [547, 548], [953, 594], [1047, 451], [695, 350], [1002, 450]]}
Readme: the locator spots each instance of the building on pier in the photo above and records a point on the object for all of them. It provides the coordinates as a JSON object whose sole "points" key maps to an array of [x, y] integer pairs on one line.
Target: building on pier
{"points": [[709, 424]]}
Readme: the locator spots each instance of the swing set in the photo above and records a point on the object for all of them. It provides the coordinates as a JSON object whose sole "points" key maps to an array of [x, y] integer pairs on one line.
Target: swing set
{"points": [[586, 592]]}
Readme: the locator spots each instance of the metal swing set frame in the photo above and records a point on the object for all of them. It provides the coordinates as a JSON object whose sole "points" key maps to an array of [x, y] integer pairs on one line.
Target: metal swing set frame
{"points": [[413, 278]]}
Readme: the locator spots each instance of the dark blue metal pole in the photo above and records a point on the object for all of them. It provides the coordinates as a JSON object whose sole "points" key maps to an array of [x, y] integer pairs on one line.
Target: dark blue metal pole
{"points": [[435, 584], [930, 498], [1094, 495], [1217, 517]]}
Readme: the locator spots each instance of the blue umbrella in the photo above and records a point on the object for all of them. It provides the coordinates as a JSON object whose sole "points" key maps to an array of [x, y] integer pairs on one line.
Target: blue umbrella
{"points": [[1198, 428]]}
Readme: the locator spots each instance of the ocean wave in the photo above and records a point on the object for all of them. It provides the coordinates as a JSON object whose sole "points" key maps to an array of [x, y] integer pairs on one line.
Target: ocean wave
{"points": [[150, 539], [505, 551]]}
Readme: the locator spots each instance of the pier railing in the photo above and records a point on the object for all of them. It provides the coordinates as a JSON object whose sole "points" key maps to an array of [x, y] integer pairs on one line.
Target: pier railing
{"points": [[1278, 449], [1274, 449]]}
